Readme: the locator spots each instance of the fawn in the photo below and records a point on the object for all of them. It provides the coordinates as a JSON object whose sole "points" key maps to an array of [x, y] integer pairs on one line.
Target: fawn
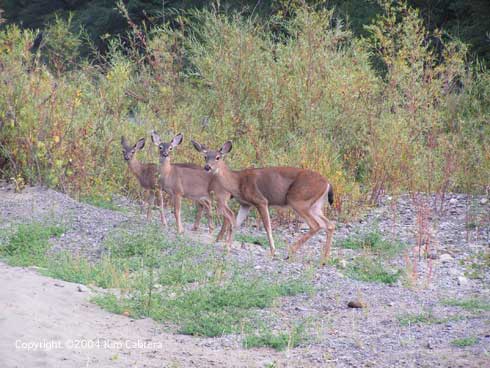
{"points": [[188, 182], [302, 190], [147, 173]]}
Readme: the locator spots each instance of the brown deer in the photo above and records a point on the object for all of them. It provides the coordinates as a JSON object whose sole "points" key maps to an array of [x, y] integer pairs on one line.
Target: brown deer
{"points": [[302, 190], [147, 173], [195, 184]]}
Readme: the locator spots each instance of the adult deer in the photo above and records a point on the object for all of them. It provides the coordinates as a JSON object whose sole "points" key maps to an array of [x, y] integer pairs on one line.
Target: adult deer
{"points": [[302, 190], [195, 184], [147, 173]]}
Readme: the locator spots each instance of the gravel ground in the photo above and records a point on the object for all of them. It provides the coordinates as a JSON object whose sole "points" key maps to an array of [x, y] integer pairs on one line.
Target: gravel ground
{"points": [[454, 236]]}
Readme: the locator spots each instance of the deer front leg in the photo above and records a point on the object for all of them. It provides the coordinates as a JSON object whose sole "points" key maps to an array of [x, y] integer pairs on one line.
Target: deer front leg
{"points": [[209, 213], [198, 215], [177, 204], [163, 219], [264, 213]]}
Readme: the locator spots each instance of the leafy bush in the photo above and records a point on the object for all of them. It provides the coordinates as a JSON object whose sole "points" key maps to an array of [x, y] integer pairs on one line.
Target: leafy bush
{"points": [[398, 110]]}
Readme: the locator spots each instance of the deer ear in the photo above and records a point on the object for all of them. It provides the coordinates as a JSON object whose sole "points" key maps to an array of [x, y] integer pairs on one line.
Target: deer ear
{"points": [[155, 138], [198, 146], [140, 144], [226, 148], [124, 143], [177, 140]]}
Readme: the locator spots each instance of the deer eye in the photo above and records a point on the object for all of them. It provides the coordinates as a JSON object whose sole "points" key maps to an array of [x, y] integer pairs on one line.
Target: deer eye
{"points": [[217, 158]]}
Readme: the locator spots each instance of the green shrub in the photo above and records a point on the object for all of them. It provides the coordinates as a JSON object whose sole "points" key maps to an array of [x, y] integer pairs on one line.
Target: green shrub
{"points": [[28, 245]]}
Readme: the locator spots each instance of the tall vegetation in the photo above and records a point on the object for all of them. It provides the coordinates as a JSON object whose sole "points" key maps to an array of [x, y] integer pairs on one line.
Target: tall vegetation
{"points": [[401, 109]]}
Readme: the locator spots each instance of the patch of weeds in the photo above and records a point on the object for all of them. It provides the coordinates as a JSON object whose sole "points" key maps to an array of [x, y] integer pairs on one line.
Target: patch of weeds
{"points": [[105, 273], [213, 309], [260, 240], [477, 265], [278, 341], [472, 304], [101, 201], [28, 244], [374, 243], [465, 341], [367, 269], [424, 318]]}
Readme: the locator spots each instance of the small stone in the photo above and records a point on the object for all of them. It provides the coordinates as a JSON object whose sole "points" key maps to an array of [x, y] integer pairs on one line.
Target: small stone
{"points": [[453, 201], [355, 304], [446, 257], [463, 281], [82, 288], [483, 201], [432, 255], [343, 263]]}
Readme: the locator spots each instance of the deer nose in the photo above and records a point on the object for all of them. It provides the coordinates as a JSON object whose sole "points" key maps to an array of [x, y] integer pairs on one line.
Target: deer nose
{"points": [[207, 167]]}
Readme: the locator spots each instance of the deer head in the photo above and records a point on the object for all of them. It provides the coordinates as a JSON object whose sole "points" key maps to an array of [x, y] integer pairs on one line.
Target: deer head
{"points": [[166, 148], [214, 159], [128, 150]]}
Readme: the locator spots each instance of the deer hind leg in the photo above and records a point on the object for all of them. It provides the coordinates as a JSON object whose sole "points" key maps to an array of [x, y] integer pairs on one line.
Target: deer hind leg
{"points": [[306, 212], [266, 219], [329, 226], [197, 221], [163, 219], [242, 215]]}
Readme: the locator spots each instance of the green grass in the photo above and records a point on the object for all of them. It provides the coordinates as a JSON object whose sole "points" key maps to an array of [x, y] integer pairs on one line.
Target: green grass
{"points": [[260, 240], [472, 304], [465, 341], [212, 309], [478, 265], [28, 244], [104, 273], [424, 318], [279, 341], [190, 287], [101, 201], [374, 243], [371, 270]]}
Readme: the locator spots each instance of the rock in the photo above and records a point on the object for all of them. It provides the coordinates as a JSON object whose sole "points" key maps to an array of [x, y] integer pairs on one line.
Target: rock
{"points": [[446, 258], [82, 289], [355, 304], [483, 201], [453, 201], [343, 263], [432, 255], [463, 281]]}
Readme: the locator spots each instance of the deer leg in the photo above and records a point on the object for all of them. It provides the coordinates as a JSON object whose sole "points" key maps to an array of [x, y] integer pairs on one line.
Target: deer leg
{"points": [[223, 212], [199, 206], [312, 223], [330, 228], [163, 219], [177, 204], [264, 213], [242, 214], [151, 202], [209, 213]]}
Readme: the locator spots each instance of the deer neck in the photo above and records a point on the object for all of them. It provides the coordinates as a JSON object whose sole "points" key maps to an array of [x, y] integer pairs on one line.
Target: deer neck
{"points": [[135, 167], [229, 179], [165, 167]]}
